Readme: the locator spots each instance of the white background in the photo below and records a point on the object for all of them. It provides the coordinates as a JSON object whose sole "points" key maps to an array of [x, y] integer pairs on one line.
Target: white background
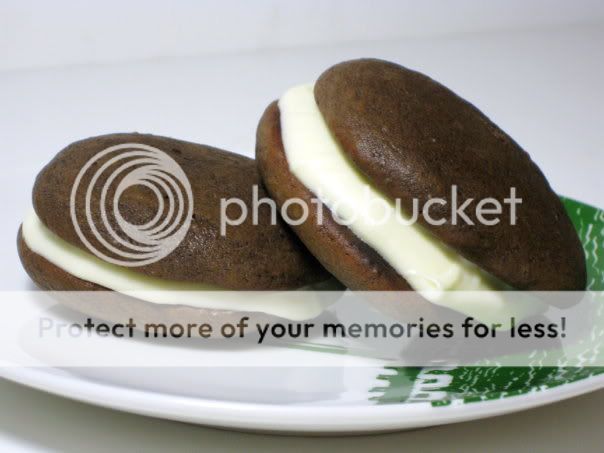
{"points": [[204, 71], [41, 33]]}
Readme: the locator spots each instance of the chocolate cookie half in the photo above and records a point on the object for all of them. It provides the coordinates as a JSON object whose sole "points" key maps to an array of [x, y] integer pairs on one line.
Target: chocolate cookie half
{"points": [[106, 204], [376, 143]]}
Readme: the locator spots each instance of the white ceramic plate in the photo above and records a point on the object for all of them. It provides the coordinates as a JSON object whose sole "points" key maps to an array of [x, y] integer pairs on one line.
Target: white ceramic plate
{"points": [[318, 415], [338, 394]]}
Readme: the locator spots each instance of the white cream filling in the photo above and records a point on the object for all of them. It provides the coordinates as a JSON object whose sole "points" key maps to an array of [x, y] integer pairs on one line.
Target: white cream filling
{"points": [[294, 305], [431, 268]]}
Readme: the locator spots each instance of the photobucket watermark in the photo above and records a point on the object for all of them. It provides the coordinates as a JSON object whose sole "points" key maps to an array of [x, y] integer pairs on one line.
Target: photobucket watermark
{"points": [[102, 181], [373, 210]]}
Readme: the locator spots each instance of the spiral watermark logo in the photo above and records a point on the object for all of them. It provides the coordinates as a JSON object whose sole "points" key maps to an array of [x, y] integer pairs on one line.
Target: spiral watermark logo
{"points": [[105, 178]]}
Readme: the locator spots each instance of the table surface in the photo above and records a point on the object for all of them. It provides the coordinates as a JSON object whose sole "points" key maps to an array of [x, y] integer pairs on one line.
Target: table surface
{"points": [[541, 86]]}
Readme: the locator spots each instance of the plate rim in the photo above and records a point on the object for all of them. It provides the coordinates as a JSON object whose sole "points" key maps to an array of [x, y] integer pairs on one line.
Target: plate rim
{"points": [[288, 419]]}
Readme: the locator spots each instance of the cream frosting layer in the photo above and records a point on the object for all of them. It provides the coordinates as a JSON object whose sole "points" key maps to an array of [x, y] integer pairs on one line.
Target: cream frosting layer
{"points": [[294, 305], [315, 157]]}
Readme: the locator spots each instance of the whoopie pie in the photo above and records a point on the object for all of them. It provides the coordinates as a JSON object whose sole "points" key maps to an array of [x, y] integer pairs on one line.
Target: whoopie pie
{"points": [[370, 130], [260, 255]]}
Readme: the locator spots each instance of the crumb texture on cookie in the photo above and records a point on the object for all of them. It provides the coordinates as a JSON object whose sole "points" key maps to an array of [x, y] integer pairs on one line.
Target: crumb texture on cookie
{"points": [[252, 257], [413, 138]]}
